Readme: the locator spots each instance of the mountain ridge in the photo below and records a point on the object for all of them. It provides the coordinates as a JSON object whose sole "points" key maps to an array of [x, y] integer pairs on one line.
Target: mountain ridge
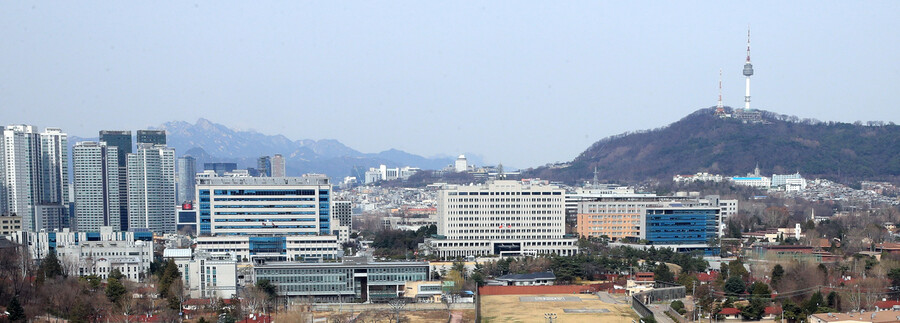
{"points": [[702, 142], [212, 142]]}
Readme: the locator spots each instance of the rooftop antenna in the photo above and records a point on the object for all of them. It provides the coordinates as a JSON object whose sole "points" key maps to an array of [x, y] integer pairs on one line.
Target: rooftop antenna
{"points": [[719, 105]]}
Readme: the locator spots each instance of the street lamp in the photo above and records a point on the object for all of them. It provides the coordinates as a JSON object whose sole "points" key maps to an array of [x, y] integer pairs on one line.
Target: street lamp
{"points": [[550, 317]]}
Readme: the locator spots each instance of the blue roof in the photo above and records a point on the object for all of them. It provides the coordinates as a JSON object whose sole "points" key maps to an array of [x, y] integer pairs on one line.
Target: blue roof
{"points": [[746, 178]]}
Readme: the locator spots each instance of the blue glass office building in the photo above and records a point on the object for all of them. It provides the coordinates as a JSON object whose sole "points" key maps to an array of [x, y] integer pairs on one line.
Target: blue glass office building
{"points": [[680, 225]]}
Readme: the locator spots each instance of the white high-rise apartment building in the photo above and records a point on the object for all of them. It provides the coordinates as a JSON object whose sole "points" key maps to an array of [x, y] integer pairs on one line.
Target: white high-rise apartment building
{"points": [[20, 158], [501, 217], [278, 168], [151, 188], [54, 167], [96, 169], [34, 177]]}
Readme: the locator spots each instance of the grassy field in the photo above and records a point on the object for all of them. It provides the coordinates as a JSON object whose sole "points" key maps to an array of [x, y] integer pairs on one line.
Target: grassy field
{"points": [[508, 308]]}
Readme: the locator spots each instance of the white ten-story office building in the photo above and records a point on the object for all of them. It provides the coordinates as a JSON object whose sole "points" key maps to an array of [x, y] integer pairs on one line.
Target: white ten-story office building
{"points": [[501, 217]]}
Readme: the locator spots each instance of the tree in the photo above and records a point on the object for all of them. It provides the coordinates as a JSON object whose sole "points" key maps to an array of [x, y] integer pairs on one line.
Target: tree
{"points": [[760, 289], [50, 267], [734, 286], [267, 287], [791, 311], [736, 268], [755, 310], [662, 273], [777, 274], [114, 290], [894, 275], [678, 306], [167, 277], [116, 274], [16, 312], [834, 301], [688, 281], [812, 305]]}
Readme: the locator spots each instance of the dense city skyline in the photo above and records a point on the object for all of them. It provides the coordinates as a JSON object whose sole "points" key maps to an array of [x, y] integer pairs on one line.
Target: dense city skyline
{"points": [[558, 77]]}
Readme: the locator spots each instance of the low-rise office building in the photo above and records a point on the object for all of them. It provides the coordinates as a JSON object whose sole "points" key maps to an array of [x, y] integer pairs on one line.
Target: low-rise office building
{"points": [[354, 279], [206, 275], [40, 244], [259, 249], [501, 217], [93, 253], [625, 216], [9, 224]]}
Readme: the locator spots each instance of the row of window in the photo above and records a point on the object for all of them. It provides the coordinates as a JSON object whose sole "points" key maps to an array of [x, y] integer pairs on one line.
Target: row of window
{"points": [[505, 193]]}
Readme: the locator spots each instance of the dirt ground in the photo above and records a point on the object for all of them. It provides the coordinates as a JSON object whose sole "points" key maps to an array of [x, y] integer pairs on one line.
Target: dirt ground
{"points": [[467, 316], [508, 308]]}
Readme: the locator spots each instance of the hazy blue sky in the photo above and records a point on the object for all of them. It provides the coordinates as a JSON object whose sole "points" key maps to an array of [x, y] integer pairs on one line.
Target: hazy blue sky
{"points": [[523, 83]]}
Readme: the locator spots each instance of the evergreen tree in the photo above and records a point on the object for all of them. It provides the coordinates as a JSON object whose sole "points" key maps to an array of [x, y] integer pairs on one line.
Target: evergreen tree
{"points": [[115, 273], [663, 274], [51, 266], [760, 289], [734, 286], [114, 290], [777, 275], [755, 310], [16, 312], [266, 286]]}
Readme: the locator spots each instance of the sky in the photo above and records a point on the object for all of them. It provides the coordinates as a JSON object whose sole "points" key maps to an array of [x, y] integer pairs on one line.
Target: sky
{"points": [[522, 82]]}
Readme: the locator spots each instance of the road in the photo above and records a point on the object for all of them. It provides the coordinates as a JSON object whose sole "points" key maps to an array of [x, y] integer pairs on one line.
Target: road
{"points": [[659, 312]]}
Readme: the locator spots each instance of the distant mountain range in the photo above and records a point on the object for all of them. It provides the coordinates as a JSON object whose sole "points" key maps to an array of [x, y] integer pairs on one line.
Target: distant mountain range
{"points": [[702, 142], [212, 142]]}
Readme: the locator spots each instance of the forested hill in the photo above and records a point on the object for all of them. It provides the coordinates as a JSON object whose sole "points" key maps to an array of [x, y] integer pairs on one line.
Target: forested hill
{"points": [[702, 142]]}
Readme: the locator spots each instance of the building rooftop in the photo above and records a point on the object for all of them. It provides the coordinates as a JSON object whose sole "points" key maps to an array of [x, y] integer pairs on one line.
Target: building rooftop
{"points": [[532, 276], [347, 261], [309, 179], [176, 253]]}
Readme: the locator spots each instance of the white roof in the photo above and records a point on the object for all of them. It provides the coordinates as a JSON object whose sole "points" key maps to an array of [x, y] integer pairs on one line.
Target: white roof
{"points": [[176, 253]]}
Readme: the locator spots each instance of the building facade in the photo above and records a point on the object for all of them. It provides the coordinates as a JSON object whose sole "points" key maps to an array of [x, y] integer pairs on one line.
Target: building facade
{"points": [[354, 279], [96, 179], [676, 223], [278, 166], [9, 224], [187, 171], [206, 275], [151, 189], [260, 205], [343, 213], [220, 168], [93, 253], [264, 166], [121, 141], [625, 216], [260, 249], [34, 176], [501, 217], [156, 137]]}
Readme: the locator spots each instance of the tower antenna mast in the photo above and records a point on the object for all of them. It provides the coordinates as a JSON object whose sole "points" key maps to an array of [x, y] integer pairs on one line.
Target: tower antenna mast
{"points": [[748, 71]]}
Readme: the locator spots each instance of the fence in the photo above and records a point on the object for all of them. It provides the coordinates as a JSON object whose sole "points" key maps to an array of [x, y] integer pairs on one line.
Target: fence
{"points": [[662, 292]]}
